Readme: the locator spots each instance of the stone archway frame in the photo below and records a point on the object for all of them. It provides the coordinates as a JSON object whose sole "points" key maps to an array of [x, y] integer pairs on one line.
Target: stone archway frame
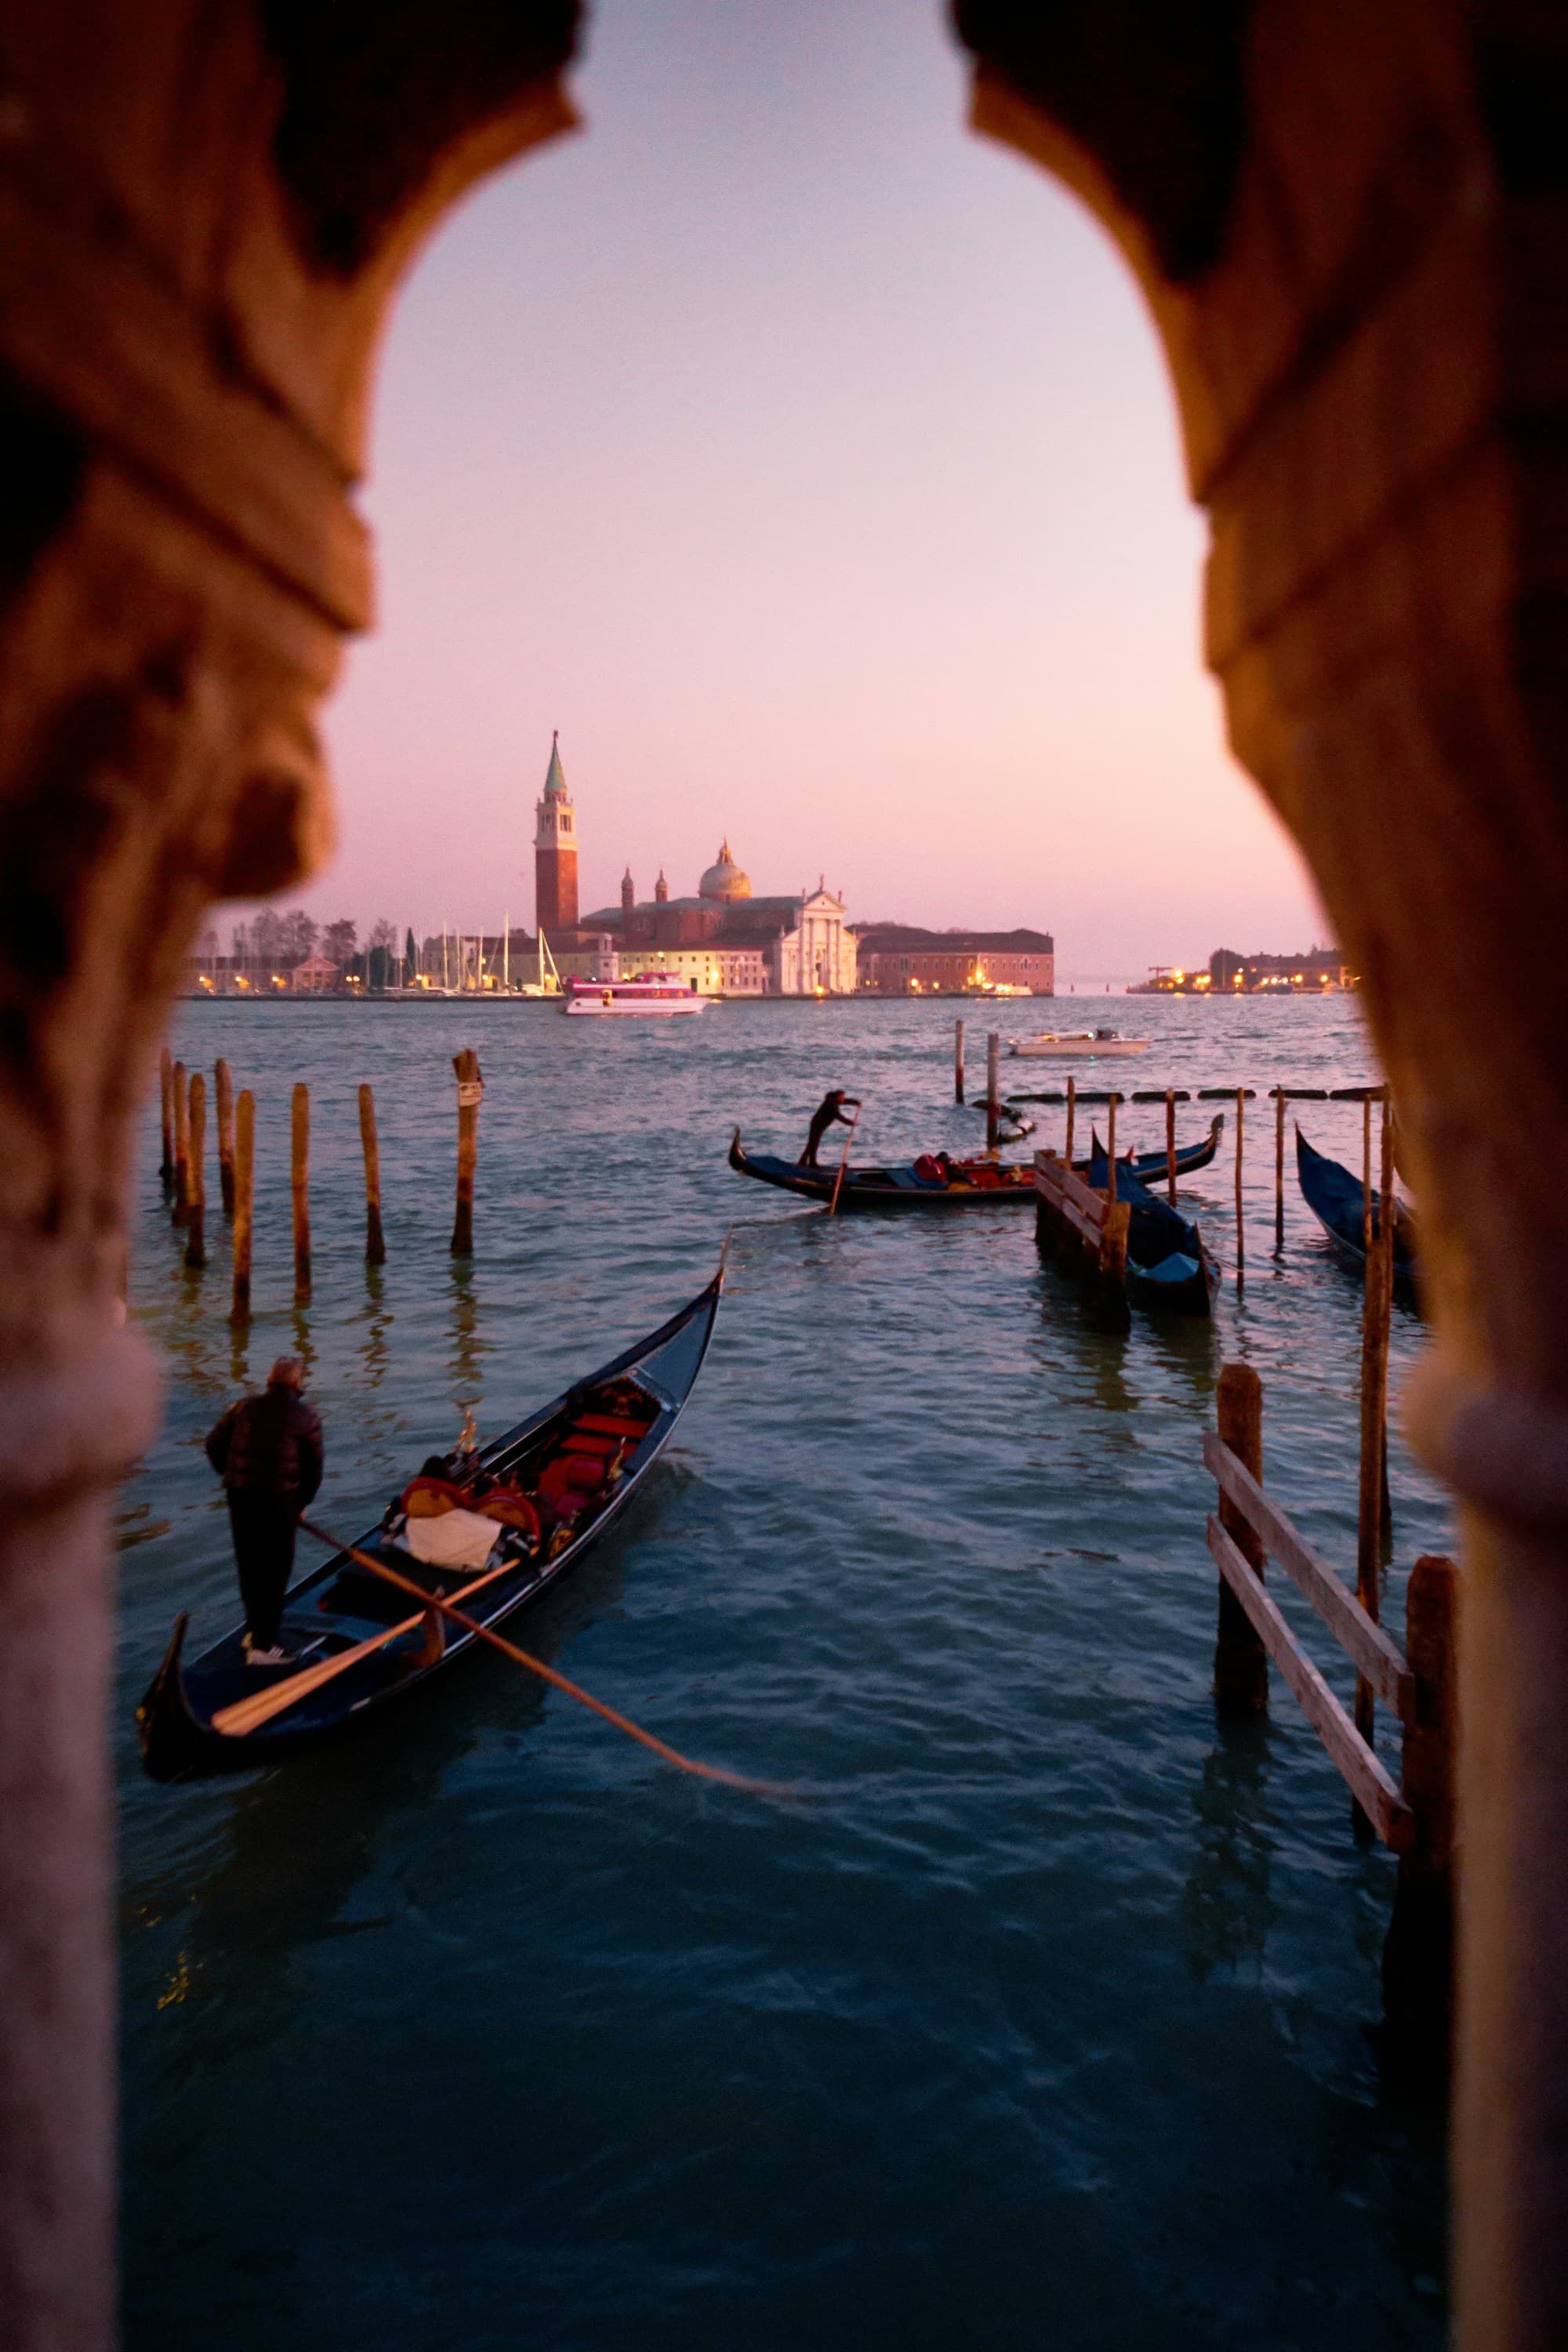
{"points": [[1349, 226]]}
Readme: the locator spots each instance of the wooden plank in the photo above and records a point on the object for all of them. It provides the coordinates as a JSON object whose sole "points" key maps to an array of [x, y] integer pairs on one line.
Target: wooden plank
{"points": [[1357, 1766], [1371, 1650], [1058, 1180]]}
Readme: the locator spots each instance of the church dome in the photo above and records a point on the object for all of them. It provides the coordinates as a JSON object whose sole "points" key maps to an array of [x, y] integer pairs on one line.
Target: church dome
{"points": [[725, 880]]}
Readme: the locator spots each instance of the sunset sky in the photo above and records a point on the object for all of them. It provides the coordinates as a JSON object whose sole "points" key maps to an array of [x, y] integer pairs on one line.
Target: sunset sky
{"points": [[809, 463]]}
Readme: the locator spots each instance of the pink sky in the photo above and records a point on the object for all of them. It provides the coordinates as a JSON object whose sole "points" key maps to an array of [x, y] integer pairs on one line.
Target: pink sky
{"points": [[811, 465]]}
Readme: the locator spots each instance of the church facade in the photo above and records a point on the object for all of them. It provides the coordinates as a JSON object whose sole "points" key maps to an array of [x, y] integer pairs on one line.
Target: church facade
{"points": [[730, 942]]}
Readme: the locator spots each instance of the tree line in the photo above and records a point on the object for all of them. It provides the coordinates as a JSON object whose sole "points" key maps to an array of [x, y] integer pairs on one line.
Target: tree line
{"points": [[275, 942]]}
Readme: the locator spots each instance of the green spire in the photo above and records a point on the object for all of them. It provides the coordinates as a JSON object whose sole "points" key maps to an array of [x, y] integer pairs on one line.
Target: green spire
{"points": [[555, 780]]}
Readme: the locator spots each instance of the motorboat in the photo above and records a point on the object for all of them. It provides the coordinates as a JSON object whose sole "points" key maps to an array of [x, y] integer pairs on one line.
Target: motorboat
{"points": [[1087, 1045]]}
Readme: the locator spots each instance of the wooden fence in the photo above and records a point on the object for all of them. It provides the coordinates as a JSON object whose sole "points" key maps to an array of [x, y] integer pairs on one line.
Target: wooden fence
{"points": [[1414, 1815]]}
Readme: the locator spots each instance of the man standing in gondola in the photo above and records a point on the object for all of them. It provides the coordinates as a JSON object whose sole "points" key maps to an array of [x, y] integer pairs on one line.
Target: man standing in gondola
{"points": [[831, 1107], [269, 1452]]}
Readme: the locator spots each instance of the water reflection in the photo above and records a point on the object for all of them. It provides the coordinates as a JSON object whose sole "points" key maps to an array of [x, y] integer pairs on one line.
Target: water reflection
{"points": [[1227, 1908]]}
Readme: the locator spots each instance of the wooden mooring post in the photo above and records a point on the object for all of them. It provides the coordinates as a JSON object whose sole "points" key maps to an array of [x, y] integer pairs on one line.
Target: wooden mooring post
{"points": [[1377, 1300], [1080, 1226], [1415, 1817], [470, 1092], [1240, 1224], [374, 1242], [1110, 1145], [166, 1106], [1418, 1955], [1072, 1108], [1240, 1660], [1170, 1144], [1278, 1169], [195, 1174], [300, 1190], [180, 1208], [958, 1061], [244, 1204], [992, 1049], [223, 1090]]}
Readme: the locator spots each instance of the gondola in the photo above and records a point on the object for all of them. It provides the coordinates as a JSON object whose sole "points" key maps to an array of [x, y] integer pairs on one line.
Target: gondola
{"points": [[969, 1182], [550, 1486], [1150, 1167], [1168, 1267], [1335, 1198]]}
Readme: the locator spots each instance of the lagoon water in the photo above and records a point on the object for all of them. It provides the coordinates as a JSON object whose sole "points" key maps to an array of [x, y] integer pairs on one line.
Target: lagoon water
{"points": [[1045, 2013]]}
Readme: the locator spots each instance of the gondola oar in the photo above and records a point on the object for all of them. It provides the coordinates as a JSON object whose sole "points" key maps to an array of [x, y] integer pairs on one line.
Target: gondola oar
{"points": [[843, 1163], [537, 1666], [247, 1715]]}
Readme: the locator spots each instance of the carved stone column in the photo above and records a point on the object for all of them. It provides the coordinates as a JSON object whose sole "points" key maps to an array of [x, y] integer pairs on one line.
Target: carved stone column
{"points": [[203, 215]]}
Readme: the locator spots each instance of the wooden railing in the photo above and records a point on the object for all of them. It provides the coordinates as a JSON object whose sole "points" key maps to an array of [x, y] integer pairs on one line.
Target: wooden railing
{"points": [[1413, 1815], [1083, 1228]]}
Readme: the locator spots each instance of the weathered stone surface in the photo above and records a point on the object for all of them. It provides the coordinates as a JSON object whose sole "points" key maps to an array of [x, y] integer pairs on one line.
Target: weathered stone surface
{"points": [[1351, 226]]}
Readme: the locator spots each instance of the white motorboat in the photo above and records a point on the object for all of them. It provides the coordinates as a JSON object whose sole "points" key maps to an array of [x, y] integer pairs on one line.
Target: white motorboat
{"points": [[1088, 1046], [651, 996]]}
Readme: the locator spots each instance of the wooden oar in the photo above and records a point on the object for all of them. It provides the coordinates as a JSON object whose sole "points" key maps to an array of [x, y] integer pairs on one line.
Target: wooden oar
{"points": [[843, 1163], [546, 1674], [249, 1714]]}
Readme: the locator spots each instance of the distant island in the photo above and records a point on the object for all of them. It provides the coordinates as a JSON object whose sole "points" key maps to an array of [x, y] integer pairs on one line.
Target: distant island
{"points": [[1321, 972]]}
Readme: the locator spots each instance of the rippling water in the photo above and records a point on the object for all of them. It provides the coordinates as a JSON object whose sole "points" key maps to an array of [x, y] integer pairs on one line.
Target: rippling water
{"points": [[1044, 2015]]}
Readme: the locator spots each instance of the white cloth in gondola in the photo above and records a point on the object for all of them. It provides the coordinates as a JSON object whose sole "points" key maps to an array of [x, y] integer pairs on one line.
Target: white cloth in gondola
{"points": [[454, 1539]]}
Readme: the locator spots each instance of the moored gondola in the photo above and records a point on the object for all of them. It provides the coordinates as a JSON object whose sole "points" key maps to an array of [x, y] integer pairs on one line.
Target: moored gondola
{"points": [[951, 1184], [547, 1489], [1337, 1200], [1151, 1167], [1168, 1267]]}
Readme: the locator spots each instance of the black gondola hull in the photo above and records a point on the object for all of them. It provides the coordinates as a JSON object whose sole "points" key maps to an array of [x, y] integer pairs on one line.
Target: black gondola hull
{"points": [[174, 1723]]}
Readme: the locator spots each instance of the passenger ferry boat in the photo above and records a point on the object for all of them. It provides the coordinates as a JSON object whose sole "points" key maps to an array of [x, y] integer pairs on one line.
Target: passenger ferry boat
{"points": [[652, 996]]}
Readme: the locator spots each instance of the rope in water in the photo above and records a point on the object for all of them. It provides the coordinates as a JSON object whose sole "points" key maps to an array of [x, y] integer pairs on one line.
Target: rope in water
{"points": [[546, 1674]]}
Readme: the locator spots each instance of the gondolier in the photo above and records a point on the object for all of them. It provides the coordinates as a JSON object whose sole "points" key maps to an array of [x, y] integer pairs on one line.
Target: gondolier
{"points": [[267, 1450], [831, 1107]]}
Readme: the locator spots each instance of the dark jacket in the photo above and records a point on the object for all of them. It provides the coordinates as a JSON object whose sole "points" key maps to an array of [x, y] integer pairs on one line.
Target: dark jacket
{"points": [[270, 1444]]}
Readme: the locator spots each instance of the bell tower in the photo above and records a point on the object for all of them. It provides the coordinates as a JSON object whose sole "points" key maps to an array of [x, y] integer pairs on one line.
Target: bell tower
{"points": [[555, 852]]}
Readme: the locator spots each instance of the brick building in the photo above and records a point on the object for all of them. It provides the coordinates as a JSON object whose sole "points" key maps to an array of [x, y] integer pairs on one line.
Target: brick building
{"points": [[897, 960]]}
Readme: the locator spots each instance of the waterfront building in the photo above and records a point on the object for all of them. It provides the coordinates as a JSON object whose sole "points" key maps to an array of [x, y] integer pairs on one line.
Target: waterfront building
{"points": [[899, 960], [1319, 971], [732, 942], [555, 852]]}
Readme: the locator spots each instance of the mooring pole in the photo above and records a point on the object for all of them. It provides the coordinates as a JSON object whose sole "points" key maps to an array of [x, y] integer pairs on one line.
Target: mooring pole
{"points": [[196, 1178], [1240, 1227], [1170, 1144], [1072, 1105], [1240, 1660], [180, 1210], [470, 1090], [299, 1191], [223, 1090], [1375, 1307], [166, 1102], [958, 1061], [1110, 1147], [243, 1203], [1278, 1169], [374, 1243], [1417, 1957], [992, 1048]]}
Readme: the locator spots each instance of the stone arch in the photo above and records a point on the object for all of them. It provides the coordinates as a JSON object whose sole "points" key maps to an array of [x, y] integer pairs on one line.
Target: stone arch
{"points": [[1350, 228]]}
